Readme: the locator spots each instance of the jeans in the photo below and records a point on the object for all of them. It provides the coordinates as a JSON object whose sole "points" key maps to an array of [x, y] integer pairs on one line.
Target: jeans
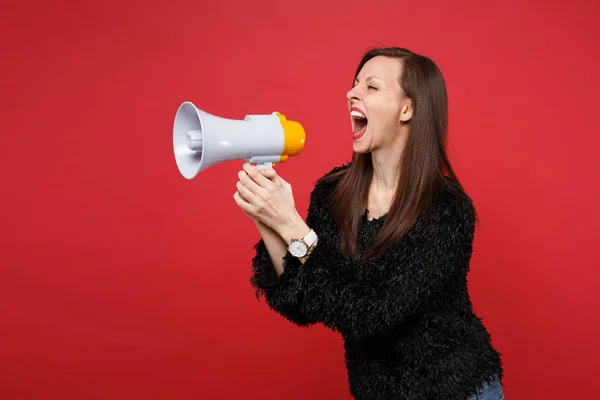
{"points": [[491, 391]]}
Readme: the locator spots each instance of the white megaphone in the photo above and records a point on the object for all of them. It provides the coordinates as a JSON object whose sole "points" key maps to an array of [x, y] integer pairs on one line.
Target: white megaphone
{"points": [[201, 140]]}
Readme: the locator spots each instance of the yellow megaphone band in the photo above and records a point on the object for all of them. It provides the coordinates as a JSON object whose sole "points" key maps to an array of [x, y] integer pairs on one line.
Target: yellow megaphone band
{"points": [[294, 137]]}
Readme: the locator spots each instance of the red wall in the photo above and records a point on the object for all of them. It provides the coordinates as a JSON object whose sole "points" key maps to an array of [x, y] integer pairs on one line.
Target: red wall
{"points": [[120, 279]]}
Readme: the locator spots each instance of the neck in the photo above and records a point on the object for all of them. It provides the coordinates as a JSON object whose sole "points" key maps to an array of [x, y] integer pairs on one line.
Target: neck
{"points": [[385, 162], [385, 172]]}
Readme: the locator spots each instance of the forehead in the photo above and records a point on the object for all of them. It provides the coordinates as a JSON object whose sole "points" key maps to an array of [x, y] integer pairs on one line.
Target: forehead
{"points": [[383, 68]]}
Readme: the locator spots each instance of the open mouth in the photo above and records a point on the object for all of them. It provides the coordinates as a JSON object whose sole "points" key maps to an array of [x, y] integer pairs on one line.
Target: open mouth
{"points": [[359, 122]]}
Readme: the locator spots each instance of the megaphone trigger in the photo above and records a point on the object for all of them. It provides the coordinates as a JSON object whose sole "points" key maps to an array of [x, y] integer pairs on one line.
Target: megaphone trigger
{"points": [[266, 165], [201, 140]]}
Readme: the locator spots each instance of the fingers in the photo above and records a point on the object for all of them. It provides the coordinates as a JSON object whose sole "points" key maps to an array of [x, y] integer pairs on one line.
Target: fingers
{"points": [[248, 182], [268, 173], [245, 193], [242, 203], [273, 177], [256, 175], [271, 174]]}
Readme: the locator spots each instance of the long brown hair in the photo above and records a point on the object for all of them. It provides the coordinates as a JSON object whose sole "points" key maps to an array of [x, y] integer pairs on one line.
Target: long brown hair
{"points": [[424, 162]]}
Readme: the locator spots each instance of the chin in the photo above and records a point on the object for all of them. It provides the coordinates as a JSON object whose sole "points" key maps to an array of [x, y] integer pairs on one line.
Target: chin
{"points": [[362, 145], [361, 148]]}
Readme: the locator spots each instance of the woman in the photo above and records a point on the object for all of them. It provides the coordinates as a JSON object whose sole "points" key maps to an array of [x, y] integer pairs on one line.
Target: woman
{"points": [[384, 253]]}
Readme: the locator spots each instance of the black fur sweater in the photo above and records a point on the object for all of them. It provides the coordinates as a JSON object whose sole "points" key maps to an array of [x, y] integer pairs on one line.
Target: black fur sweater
{"points": [[406, 317]]}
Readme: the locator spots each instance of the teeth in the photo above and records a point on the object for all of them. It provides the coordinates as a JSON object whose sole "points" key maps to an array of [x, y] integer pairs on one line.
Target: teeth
{"points": [[356, 114]]}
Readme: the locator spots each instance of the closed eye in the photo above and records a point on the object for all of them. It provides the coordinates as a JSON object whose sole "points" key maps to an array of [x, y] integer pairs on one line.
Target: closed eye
{"points": [[370, 87]]}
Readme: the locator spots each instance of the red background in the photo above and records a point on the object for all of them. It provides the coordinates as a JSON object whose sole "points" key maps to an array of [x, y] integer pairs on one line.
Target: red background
{"points": [[121, 279]]}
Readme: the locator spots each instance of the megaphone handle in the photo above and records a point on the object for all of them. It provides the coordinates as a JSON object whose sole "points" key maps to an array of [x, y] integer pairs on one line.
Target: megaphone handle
{"points": [[265, 165]]}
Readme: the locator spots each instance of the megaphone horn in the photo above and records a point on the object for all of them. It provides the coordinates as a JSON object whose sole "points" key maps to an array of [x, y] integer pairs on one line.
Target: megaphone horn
{"points": [[201, 140]]}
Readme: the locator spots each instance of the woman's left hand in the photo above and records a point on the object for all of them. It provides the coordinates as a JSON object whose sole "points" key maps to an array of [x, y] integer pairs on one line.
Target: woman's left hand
{"points": [[265, 196]]}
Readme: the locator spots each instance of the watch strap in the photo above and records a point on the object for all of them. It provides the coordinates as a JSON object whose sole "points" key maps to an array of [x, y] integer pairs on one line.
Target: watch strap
{"points": [[310, 238]]}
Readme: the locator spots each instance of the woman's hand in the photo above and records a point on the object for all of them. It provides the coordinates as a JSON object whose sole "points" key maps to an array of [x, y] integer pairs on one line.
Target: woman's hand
{"points": [[266, 197]]}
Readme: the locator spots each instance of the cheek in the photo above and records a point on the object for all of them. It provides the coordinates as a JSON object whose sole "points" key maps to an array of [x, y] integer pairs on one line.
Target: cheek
{"points": [[383, 108], [384, 118]]}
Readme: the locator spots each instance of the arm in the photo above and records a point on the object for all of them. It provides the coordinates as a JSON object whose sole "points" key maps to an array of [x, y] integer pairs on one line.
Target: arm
{"points": [[274, 245], [268, 276], [274, 269], [296, 229]]}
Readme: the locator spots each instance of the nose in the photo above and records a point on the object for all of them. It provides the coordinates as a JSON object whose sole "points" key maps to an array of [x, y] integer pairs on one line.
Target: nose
{"points": [[352, 94]]}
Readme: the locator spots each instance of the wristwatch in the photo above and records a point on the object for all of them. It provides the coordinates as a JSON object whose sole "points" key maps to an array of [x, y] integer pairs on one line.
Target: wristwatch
{"points": [[301, 247]]}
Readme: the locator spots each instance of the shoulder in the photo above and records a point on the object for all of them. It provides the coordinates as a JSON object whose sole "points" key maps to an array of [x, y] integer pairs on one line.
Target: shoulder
{"points": [[334, 174], [447, 220], [450, 202], [327, 182]]}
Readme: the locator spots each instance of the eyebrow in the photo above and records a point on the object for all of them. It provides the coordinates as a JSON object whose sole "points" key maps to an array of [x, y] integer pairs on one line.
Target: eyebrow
{"points": [[368, 79]]}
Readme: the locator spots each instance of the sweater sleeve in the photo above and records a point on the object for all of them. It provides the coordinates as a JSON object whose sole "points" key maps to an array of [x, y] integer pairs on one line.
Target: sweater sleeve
{"points": [[280, 292], [284, 294], [362, 298]]}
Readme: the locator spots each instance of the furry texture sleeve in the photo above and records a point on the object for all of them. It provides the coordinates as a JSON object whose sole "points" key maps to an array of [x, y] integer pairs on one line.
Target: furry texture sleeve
{"points": [[363, 298]]}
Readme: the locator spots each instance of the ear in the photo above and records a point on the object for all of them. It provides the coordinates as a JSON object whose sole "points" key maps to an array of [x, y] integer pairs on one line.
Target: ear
{"points": [[406, 111]]}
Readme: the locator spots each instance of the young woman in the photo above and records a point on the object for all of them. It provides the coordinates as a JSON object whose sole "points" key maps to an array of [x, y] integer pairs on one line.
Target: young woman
{"points": [[384, 253]]}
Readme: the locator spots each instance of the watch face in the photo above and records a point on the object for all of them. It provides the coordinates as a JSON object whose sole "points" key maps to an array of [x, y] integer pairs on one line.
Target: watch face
{"points": [[298, 248]]}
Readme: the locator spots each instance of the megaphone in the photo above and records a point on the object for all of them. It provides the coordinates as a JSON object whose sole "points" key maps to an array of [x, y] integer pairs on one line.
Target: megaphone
{"points": [[201, 140]]}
